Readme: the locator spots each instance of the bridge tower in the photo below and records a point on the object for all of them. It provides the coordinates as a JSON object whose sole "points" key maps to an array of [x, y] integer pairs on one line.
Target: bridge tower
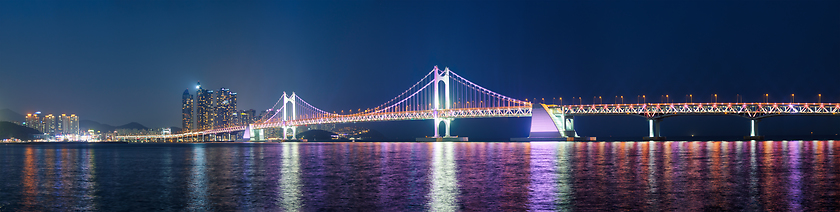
{"points": [[287, 99], [441, 78]]}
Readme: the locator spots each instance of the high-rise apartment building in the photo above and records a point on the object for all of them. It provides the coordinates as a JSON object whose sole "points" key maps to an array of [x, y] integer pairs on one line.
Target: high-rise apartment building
{"points": [[204, 108], [35, 121], [225, 105], [187, 105], [244, 117], [59, 124], [69, 124], [49, 124]]}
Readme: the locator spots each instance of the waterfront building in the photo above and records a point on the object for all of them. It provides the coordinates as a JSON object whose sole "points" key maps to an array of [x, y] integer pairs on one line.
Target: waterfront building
{"points": [[225, 107], [244, 117], [204, 108], [251, 116], [35, 121], [187, 107], [49, 124], [69, 124], [53, 125], [59, 124]]}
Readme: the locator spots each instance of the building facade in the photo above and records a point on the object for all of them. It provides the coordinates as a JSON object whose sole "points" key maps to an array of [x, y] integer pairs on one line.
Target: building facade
{"points": [[52, 125], [187, 107], [35, 121], [225, 107], [69, 124], [204, 109]]}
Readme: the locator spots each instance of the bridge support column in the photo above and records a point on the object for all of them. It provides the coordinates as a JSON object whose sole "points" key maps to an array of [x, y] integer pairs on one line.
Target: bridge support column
{"points": [[294, 132], [447, 122], [568, 126], [654, 130], [548, 126], [754, 131]]}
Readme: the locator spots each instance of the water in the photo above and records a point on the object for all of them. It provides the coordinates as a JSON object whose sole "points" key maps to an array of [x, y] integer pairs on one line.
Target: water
{"points": [[650, 176]]}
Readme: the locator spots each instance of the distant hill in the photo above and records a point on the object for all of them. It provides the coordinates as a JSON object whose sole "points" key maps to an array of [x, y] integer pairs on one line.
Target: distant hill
{"points": [[12, 130], [9, 115], [132, 125], [85, 125], [316, 135]]}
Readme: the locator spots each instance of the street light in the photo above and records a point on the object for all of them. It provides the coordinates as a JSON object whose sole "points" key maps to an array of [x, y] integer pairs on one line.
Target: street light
{"points": [[819, 100]]}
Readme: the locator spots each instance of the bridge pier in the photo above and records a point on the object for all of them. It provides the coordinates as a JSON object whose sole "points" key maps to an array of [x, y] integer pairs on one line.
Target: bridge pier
{"points": [[446, 137], [568, 126], [294, 132], [654, 130], [548, 126], [754, 131], [446, 122]]}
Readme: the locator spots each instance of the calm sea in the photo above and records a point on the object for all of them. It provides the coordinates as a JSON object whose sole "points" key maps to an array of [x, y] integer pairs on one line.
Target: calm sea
{"points": [[584, 176]]}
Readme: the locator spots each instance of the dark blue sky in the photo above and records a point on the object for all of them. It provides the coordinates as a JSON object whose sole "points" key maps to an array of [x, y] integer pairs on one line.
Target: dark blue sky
{"points": [[122, 61]]}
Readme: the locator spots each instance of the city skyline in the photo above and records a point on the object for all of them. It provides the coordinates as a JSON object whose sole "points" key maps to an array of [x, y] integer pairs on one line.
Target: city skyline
{"points": [[110, 58]]}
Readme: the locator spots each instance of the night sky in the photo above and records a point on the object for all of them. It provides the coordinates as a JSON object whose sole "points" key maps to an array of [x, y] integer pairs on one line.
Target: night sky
{"points": [[121, 61]]}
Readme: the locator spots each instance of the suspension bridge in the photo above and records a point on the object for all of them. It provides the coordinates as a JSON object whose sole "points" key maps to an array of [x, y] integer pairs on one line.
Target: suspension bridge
{"points": [[443, 96]]}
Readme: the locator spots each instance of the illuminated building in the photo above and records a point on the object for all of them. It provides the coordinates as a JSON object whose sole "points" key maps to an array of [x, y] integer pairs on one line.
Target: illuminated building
{"points": [[245, 117], [59, 124], [187, 111], [49, 124], [35, 121], [69, 124], [204, 108], [225, 107]]}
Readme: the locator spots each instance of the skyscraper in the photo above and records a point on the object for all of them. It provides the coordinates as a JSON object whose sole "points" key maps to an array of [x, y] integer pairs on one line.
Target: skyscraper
{"points": [[204, 108], [187, 111], [35, 122], [59, 124], [49, 124], [225, 105], [70, 124]]}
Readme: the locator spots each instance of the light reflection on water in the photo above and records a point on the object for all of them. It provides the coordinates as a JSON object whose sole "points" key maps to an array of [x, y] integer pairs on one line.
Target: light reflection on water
{"points": [[444, 194], [673, 176], [290, 181], [198, 180]]}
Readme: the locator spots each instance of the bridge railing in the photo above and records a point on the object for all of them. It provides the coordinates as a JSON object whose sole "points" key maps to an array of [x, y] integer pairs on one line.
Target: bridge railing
{"points": [[752, 110], [520, 111]]}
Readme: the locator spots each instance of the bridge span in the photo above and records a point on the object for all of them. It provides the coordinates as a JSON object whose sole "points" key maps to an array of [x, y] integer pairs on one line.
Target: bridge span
{"points": [[443, 96]]}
